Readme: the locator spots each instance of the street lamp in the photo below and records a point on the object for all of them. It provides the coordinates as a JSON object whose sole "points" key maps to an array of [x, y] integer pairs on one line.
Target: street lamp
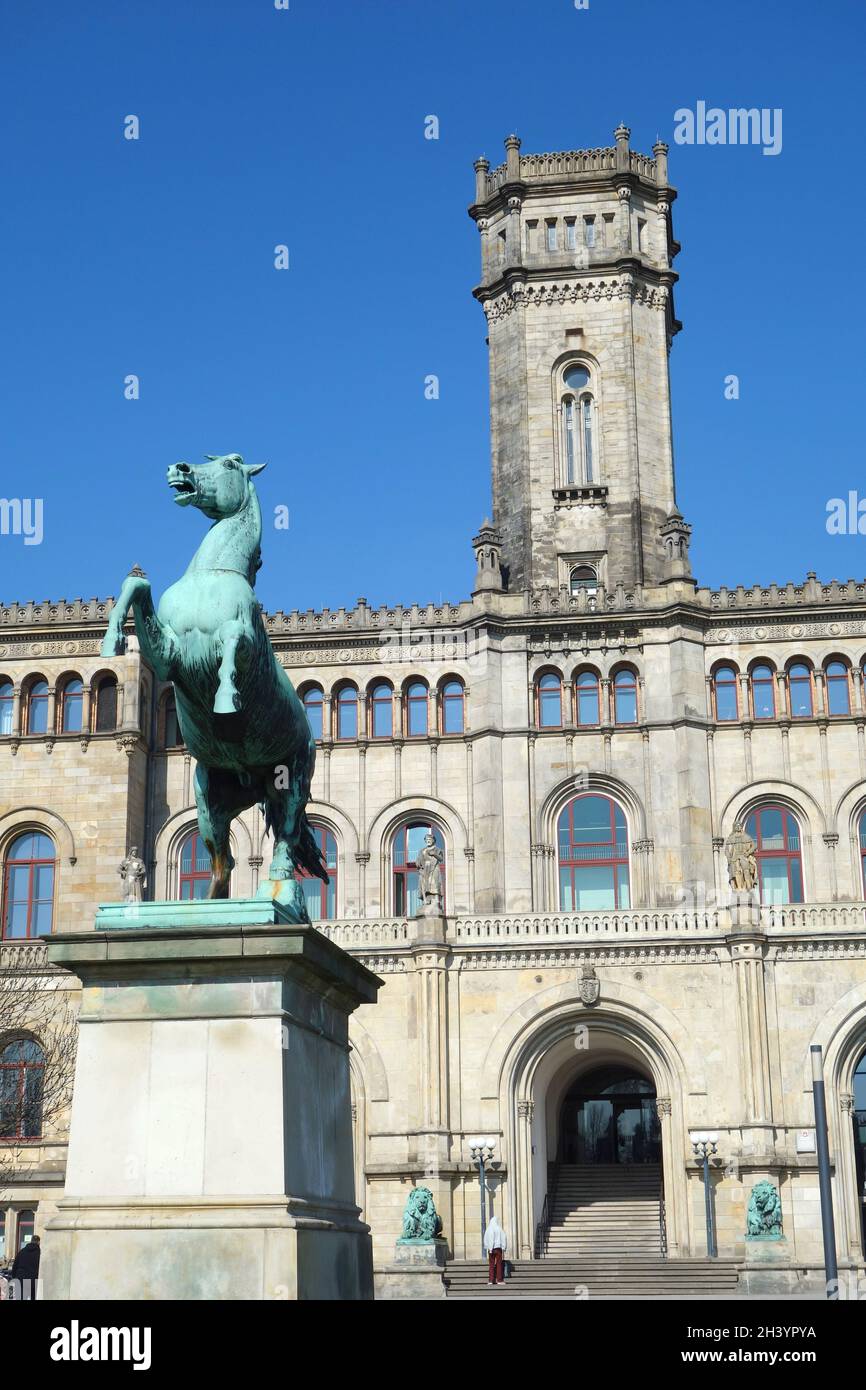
{"points": [[706, 1147], [481, 1151]]}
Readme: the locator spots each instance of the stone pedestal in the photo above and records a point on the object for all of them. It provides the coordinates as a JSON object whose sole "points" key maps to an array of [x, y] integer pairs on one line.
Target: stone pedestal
{"points": [[210, 1150], [767, 1269], [416, 1271]]}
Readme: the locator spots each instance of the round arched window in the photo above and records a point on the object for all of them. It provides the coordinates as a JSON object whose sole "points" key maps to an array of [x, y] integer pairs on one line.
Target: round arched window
{"points": [[314, 703], [28, 886], [321, 897], [22, 1077], [592, 849], [583, 579], [407, 845], [195, 867], [780, 868]]}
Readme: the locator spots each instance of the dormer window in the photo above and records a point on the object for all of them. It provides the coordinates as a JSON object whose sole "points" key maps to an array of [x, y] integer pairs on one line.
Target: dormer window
{"points": [[579, 449]]}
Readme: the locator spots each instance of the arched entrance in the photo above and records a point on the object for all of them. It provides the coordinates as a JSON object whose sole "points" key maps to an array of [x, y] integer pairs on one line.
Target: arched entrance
{"points": [[609, 1115]]}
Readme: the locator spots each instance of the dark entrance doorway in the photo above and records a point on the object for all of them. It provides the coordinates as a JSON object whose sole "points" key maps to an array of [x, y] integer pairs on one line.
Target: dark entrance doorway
{"points": [[609, 1116], [859, 1119]]}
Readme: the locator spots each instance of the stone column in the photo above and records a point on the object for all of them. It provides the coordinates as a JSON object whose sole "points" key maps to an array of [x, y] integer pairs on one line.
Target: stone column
{"points": [[747, 945], [429, 955], [524, 1236], [664, 1110]]}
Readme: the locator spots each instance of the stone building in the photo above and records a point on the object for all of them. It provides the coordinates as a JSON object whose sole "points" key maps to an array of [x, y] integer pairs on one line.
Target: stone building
{"points": [[582, 736]]}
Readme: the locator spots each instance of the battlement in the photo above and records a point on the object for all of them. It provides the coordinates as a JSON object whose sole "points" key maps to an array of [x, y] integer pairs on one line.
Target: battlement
{"points": [[566, 166]]}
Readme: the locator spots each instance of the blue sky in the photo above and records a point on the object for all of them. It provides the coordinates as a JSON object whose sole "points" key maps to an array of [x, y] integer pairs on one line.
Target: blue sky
{"points": [[306, 127]]}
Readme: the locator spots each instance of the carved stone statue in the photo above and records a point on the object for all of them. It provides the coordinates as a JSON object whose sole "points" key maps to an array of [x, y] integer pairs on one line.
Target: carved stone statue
{"points": [[420, 1220], [238, 711], [430, 861], [133, 876], [740, 851], [764, 1216]]}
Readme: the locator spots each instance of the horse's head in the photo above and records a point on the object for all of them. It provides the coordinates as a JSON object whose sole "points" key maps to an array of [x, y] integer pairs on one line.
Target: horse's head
{"points": [[219, 488]]}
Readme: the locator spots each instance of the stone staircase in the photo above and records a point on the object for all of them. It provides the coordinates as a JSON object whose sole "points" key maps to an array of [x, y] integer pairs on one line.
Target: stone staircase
{"points": [[604, 1209], [597, 1278]]}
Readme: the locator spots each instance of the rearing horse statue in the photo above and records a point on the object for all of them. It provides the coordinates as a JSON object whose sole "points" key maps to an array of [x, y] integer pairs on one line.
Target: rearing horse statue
{"points": [[238, 711]]}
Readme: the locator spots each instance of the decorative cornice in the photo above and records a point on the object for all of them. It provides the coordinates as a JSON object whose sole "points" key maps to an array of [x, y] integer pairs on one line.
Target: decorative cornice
{"points": [[621, 286]]}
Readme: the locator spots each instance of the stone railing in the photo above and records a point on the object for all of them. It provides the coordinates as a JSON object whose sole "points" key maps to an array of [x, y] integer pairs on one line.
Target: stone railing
{"points": [[23, 955], [575, 926], [815, 917], [600, 600], [359, 934], [572, 163], [56, 613], [789, 595]]}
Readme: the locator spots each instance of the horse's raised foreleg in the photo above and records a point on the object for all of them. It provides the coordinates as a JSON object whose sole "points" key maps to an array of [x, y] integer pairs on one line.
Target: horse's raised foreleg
{"points": [[156, 641], [229, 637]]}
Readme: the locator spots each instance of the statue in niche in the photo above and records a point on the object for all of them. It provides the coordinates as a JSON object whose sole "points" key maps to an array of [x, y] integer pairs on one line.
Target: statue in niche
{"points": [[740, 851], [133, 876], [430, 861]]}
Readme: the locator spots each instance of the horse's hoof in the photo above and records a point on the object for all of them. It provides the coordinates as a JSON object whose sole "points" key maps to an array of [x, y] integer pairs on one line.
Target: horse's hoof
{"points": [[226, 703]]}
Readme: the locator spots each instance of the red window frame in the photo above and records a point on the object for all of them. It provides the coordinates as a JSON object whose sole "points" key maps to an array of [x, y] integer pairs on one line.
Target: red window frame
{"points": [[753, 828], [7, 707], [799, 680], [573, 862], [381, 695], [837, 677], [453, 695], [402, 872], [314, 698], [194, 875], [624, 681], [19, 1086], [35, 700], [417, 695], [32, 864], [347, 696], [733, 682], [69, 698], [327, 842], [545, 685], [768, 680], [587, 681]]}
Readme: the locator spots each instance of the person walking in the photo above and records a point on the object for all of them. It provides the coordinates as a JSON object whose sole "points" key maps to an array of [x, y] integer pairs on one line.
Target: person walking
{"points": [[25, 1270], [495, 1246]]}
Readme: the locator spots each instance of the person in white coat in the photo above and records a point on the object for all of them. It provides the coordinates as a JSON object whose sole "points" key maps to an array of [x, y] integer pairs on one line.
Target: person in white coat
{"points": [[495, 1246]]}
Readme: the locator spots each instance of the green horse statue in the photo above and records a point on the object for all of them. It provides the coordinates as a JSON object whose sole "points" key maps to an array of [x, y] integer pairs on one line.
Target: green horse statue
{"points": [[238, 711]]}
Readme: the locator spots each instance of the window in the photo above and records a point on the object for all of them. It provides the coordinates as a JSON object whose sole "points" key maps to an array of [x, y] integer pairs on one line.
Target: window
{"points": [[607, 228], [800, 691], [589, 231], [71, 706], [347, 712], [592, 847], [780, 870], [549, 701], [725, 697], [416, 709], [408, 843], [195, 868], [7, 706], [531, 229], [320, 897], [452, 707], [587, 702], [641, 234], [578, 427], [551, 235], [106, 705], [762, 682], [625, 697], [583, 577], [28, 887], [22, 1079], [570, 234], [37, 708], [862, 838], [838, 694], [26, 1223], [314, 704], [142, 711], [173, 735], [381, 711]]}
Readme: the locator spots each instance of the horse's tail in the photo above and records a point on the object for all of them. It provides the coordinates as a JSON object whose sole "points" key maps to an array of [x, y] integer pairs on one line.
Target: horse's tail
{"points": [[306, 853]]}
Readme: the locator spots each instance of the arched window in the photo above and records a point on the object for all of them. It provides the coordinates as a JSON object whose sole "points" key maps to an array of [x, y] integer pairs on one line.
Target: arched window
{"points": [[725, 698], [577, 407], [22, 1082], [37, 708], [347, 712], [314, 704], [407, 845], [548, 701], [381, 711], [592, 846], [7, 706], [780, 868], [417, 701], [799, 691], [173, 735], [106, 705], [320, 897], [838, 692], [583, 578], [625, 697], [28, 886], [763, 688], [195, 867], [71, 706], [587, 702], [453, 714]]}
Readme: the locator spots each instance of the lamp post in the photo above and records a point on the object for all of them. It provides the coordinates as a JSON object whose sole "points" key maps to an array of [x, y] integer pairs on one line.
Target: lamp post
{"points": [[481, 1151], [831, 1272], [705, 1147]]}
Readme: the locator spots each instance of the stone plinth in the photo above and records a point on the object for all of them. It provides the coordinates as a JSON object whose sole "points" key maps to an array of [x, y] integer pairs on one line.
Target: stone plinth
{"points": [[210, 1150], [767, 1269], [416, 1271]]}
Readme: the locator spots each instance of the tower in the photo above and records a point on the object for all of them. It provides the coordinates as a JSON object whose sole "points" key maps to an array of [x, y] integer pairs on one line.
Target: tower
{"points": [[577, 288]]}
